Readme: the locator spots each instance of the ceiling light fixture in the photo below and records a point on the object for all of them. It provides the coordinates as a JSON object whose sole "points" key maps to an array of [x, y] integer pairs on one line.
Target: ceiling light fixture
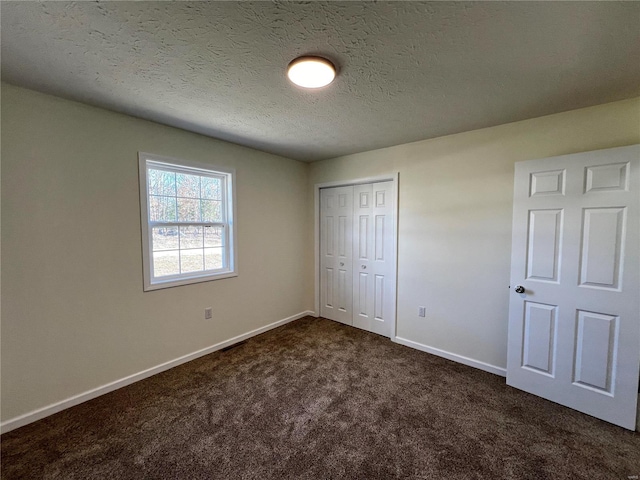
{"points": [[311, 72]]}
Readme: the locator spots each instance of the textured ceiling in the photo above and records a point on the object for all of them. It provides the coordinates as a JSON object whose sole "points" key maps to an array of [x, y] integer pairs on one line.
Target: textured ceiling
{"points": [[407, 70]]}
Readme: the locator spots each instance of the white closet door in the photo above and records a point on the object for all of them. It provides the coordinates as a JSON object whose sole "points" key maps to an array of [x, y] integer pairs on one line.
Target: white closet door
{"points": [[373, 261], [574, 322], [336, 222]]}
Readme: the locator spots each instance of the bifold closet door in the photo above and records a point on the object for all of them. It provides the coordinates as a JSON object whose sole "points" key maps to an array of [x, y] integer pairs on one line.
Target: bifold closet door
{"points": [[336, 247], [373, 257]]}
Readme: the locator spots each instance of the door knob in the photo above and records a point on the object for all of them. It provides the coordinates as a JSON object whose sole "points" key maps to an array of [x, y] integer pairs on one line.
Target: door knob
{"points": [[519, 289], [364, 267], [342, 264]]}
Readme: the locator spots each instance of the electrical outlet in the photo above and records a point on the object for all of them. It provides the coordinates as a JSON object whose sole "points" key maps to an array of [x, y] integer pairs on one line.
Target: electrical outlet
{"points": [[422, 311], [208, 313]]}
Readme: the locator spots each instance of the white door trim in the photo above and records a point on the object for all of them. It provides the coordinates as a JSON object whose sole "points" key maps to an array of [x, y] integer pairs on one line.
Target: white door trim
{"points": [[391, 177]]}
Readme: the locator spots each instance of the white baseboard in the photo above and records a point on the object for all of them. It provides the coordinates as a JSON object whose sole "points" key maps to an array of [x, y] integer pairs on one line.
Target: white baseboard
{"points": [[43, 412], [487, 367]]}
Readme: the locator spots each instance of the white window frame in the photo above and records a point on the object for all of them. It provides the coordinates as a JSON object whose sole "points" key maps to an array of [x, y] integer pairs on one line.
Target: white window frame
{"points": [[147, 160]]}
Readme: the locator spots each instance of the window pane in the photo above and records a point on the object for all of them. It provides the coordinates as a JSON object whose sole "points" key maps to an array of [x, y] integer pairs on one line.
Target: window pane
{"points": [[166, 263], [212, 211], [165, 238], [212, 188], [191, 260], [190, 237], [188, 185], [162, 209], [161, 183], [213, 236], [213, 258], [188, 210]]}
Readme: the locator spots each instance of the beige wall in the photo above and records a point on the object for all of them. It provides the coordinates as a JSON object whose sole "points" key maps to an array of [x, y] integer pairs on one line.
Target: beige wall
{"points": [[455, 218], [74, 313]]}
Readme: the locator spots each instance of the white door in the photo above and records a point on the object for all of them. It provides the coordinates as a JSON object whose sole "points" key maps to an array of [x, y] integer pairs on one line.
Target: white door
{"points": [[574, 332], [373, 262], [336, 219], [357, 263]]}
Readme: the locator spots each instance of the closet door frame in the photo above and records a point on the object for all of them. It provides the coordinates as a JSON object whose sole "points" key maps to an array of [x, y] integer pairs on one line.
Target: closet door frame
{"points": [[391, 177]]}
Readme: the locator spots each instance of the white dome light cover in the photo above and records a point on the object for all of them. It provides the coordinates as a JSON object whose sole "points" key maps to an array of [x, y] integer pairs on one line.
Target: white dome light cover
{"points": [[311, 72]]}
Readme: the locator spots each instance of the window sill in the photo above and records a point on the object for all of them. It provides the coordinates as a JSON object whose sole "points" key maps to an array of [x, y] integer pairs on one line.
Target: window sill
{"points": [[187, 281]]}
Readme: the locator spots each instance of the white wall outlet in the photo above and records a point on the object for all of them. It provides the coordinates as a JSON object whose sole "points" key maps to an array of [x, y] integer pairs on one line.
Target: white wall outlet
{"points": [[208, 313], [422, 311]]}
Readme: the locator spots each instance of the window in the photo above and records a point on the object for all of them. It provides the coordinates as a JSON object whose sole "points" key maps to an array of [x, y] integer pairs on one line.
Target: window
{"points": [[187, 214]]}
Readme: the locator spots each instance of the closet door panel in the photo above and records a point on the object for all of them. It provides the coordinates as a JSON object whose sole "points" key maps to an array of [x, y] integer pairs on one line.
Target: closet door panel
{"points": [[336, 251]]}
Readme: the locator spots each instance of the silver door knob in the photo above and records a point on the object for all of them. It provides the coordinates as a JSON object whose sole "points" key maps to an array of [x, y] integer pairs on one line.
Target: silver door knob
{"points": [[342, 264], [364, 267], [519, 289]]}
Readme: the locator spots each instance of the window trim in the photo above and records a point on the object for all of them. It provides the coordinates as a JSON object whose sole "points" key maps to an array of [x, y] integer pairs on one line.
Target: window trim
{"points": [[231, 249]]}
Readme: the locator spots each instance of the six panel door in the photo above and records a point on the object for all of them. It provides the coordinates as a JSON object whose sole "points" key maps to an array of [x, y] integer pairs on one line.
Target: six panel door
{"points": [[336, 218], [373, 262], [574, 333]]}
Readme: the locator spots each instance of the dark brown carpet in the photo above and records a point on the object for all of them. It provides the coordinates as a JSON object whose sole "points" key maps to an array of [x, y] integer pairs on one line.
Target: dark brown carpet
{"points": [[315, 400]]}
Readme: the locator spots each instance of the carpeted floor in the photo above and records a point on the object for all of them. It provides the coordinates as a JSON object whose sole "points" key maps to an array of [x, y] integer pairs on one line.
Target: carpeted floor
{"points": [[318, 400]]}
